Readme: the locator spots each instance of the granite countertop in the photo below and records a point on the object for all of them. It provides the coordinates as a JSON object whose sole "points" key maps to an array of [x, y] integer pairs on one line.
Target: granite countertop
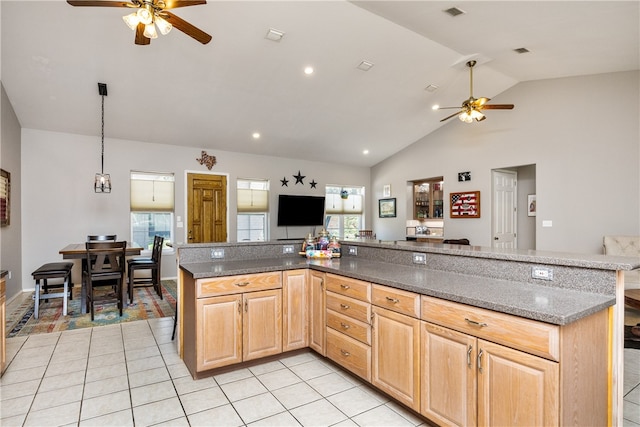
{"points": [[537, 302]]}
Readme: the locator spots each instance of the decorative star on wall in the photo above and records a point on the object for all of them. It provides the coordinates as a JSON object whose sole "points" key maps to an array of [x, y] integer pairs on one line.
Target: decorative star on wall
{"points": [[285, 182], [313, 184], [299, 178]]}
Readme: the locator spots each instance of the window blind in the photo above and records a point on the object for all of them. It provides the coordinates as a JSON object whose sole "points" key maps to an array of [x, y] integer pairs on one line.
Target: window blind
{"points": [[152, 192], [253, 196]]}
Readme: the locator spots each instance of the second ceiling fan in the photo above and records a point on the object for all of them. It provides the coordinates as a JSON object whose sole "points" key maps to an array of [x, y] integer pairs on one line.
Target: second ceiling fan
{"points": [[151, 13], [472, 108]]}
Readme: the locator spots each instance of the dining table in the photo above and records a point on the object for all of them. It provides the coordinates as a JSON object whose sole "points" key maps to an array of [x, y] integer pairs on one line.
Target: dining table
{"points": [[79, 251]]}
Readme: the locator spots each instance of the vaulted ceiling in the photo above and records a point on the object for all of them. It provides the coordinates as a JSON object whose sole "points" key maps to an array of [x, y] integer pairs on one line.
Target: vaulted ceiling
{"points": [[215, 96]]}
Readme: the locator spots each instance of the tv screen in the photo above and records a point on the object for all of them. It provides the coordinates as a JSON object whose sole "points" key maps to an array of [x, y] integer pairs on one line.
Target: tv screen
{"points": [[300, 210]]}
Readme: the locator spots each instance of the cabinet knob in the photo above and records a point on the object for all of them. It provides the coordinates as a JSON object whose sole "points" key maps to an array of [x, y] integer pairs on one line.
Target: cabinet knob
{"points": [[345, 286], [345, 353], [344, 325], [344, 306]]}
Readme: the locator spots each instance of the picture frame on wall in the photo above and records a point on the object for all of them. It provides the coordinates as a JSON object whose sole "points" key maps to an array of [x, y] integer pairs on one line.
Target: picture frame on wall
{"points": [[387, 208], [465, 205], [5, 197], [386, 190], [531, 205]]}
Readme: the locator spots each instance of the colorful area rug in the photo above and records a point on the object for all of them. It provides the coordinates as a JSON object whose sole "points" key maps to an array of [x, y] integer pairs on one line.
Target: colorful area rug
{"points": [[146, 305]]}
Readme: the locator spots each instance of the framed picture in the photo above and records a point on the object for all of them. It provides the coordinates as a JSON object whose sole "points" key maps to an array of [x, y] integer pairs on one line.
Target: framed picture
{"points": [[386, 190], [465, 205], [5, 197], [387, 208], [531, 205]]}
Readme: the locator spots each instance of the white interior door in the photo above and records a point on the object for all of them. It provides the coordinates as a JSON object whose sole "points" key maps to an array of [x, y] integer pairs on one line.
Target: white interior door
{"points": [[504, 214]]}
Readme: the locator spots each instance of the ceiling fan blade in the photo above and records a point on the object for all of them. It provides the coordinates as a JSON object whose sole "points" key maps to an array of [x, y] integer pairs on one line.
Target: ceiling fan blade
{"points": [[105, 3], [140, 38], [187, 28], [453, 115], [172, 4], [447, 108], [497, 107]]}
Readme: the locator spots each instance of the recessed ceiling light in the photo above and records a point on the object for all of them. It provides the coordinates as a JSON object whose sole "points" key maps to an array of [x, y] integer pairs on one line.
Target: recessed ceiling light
{"points": [[454, 11], [365, 66], [435, 107], [365, 152], [308, 70], [522, 50], [431, 88], [274, 35], [256, 135]]}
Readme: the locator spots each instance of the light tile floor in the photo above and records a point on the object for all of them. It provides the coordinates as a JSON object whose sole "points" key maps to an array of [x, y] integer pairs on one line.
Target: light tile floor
{"points": [[130, 374]]}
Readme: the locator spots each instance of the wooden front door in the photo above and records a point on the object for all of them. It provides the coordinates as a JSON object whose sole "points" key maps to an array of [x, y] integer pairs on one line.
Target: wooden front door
{"points": [[206, 208]]}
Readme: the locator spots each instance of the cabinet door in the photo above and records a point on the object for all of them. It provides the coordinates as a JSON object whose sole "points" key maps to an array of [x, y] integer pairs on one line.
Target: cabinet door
{"points": [[396, 356], [516, 388], [317, 326], [295, 310], [262, 324], [448, 385], [219, 331]]}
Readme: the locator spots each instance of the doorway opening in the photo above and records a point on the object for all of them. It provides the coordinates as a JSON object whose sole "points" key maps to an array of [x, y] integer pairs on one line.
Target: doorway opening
{"points": [[512, 225]]}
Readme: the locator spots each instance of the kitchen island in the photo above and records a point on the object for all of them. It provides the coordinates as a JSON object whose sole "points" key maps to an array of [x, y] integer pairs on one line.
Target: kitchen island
{"points": [[567, 324]]}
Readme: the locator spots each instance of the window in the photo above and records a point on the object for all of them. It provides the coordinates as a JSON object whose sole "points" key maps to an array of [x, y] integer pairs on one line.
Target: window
{"points": [[344, 210], [152, 205], [253, 207]]}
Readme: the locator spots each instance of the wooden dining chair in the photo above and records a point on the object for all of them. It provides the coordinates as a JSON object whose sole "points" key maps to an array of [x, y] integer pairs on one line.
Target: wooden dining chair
{"points": [[105, 268], [102, 238], [153, 264]]}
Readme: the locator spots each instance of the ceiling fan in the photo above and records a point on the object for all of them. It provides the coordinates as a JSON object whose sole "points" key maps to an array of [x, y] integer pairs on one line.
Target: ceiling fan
{"points": [[151, 13], [472, 108]]}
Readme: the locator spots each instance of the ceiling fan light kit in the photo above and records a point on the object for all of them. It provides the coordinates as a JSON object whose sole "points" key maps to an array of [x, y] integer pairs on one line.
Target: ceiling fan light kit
{"points": [[472, 108], [150, 14]]}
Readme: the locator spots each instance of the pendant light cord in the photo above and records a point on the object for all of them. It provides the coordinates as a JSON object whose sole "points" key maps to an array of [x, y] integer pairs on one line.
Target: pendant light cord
{"points": [[102, 154]]}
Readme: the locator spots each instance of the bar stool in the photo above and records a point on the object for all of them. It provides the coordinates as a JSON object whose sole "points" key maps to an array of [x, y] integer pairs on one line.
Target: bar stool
{"points": [[53, 270]]}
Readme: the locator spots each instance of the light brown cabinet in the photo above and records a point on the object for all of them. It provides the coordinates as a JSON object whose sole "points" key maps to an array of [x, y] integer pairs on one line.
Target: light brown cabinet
{"points": [[231, 319], [396, 326], [295, 309], [317, 326], [480, 367], [348, 303], [428, 198]]}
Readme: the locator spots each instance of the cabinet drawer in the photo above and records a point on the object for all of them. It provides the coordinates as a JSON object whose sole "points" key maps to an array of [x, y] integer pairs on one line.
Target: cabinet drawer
{"points": [[238, 284], [349, 353], [541, 339], [349, 326], [350, 287], [396, 300], [349, 307]]}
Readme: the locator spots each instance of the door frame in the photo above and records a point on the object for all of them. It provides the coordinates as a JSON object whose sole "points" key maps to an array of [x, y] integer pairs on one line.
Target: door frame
{"points": [[186, 203]]}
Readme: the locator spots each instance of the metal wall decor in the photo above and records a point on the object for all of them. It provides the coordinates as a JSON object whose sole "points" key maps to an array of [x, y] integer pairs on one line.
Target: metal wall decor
{"points": [[207, 160]]}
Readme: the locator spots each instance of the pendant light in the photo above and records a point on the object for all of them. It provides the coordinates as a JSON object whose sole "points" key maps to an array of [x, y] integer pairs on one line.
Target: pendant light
{"points": [[102, 182]]}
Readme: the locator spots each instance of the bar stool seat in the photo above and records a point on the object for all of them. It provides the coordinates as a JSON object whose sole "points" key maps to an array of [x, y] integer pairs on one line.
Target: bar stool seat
{"points": [[53, 270]]}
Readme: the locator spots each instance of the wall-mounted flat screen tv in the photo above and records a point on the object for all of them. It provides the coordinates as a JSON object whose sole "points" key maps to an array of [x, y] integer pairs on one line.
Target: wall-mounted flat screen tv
{"points": [[300, 210]]}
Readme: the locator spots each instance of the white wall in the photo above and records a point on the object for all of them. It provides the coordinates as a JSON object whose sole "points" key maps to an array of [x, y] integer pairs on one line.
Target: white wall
{"points": [[61, 207], [581, 133], [10, 240]]}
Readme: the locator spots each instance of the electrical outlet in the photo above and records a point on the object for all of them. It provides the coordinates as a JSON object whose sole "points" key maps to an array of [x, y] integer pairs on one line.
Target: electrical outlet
{"points": [[353, 250], [419, 258], [287, 249], [217, 253], [542, 273]]}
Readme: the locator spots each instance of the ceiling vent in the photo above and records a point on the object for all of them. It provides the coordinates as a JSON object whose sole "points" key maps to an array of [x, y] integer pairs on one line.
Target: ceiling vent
{"points": [[521, 50], [454, 11], [365, 66], [431, 88], [274, 35]]}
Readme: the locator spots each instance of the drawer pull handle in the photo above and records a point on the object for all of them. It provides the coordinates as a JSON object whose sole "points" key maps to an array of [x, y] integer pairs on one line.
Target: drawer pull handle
{"points": [[393, 300], [344, 306], [345, 287], [480, 361], [241, 284], [345, 353], [344, 325], [473, 322], [469, 356]]}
